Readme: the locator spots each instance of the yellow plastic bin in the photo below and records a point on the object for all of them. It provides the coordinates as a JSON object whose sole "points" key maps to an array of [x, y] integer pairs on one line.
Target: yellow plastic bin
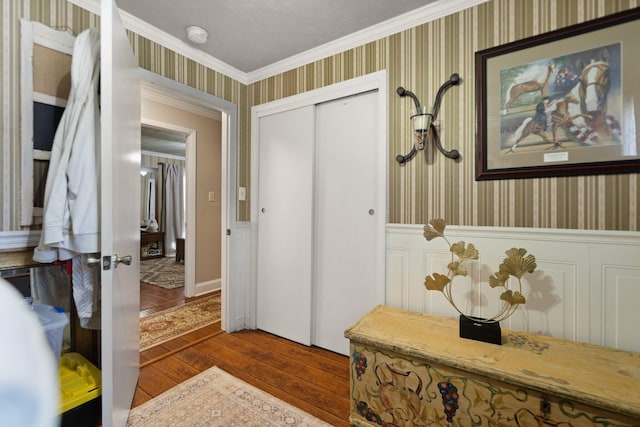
{"points": [[80, 390]]}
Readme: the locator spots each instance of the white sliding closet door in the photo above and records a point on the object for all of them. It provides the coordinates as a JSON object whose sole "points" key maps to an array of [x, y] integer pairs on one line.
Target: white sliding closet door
{"points": [[285, 186], [347, 228], [321, 211]]}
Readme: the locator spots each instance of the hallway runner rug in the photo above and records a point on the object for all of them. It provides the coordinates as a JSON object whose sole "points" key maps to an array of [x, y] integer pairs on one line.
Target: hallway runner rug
{"points": [[164, 272], [216, 398], [163, 326]]}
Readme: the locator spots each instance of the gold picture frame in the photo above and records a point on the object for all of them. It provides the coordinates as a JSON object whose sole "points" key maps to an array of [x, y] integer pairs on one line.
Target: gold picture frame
{"points": [[561, 103]]}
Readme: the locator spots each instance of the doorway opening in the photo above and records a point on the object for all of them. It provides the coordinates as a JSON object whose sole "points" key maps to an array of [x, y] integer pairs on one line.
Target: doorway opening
{"points": [[162, 92], [162, 216]]}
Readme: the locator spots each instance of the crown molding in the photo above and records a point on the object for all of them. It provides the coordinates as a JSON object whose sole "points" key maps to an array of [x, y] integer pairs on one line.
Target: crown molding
{"points": [[156, 35], [152, 33], [427, 13], [92, 6]]}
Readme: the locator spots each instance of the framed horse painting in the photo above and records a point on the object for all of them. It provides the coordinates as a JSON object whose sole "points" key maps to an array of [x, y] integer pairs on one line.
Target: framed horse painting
{"points": [[561, 103]]}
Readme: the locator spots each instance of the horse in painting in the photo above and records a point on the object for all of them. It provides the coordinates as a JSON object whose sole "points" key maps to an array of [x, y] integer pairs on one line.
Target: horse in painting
{"points": [[583, 110], [557, 117], [593, 91], [539, 84]]}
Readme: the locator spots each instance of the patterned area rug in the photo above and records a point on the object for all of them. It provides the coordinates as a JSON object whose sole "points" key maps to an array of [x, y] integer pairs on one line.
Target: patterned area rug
{"points": [[166, 325], [216, 398], [164, 272]]}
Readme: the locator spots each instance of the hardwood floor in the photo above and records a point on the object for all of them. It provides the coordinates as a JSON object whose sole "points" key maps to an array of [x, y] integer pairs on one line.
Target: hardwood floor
{"points": [[310, 378], [154, 298]]}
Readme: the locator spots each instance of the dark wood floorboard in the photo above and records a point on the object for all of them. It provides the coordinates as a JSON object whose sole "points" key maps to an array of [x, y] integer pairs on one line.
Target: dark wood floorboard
{"points": [[154, 298], [310, 378]]}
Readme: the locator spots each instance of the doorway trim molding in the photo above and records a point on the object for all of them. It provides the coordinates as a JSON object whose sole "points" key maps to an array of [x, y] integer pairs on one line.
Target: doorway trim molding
{"points": [[376, 81], [232, 313]]}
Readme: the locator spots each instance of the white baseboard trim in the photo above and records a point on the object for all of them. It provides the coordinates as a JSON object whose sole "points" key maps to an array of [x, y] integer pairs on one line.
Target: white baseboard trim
{"points": [[208, 286]]}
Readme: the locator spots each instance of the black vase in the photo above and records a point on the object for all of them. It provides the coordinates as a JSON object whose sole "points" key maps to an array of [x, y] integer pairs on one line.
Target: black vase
{"points": [[473, 329]]}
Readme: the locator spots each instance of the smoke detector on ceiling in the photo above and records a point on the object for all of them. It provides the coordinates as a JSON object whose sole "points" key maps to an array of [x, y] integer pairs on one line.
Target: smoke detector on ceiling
{"points": [[197, 34]]}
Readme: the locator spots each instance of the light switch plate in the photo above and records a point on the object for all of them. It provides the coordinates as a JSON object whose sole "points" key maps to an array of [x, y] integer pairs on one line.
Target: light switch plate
{"points": [[212, 196], [242, 194]]}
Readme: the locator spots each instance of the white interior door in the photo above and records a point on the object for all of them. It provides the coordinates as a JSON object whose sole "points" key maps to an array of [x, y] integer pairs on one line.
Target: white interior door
{"points": [[285, 226], [347, 217], [120, 204]]}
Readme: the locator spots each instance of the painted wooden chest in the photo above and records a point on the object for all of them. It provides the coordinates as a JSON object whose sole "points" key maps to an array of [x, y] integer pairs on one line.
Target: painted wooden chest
{"points": [[410, 369]]}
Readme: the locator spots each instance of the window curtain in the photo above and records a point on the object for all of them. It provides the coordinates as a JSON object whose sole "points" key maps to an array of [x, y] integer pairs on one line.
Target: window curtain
{"points": [[173, 208]]}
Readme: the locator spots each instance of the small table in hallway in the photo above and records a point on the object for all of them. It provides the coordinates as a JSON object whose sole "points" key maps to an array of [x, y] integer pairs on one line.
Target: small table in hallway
{"points": [[151, 245]]}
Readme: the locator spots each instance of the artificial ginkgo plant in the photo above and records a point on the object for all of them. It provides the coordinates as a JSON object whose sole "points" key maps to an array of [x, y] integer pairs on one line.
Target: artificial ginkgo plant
{"points": [[515, 265]]}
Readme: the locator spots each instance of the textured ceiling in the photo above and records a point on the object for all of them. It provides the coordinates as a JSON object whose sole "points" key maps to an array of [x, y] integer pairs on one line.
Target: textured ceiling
{"points": [[251, 34]]}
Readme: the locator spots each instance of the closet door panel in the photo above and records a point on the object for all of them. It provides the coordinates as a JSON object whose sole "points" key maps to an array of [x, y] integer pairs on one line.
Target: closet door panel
{"points": [[285, 205], [347, 212]]}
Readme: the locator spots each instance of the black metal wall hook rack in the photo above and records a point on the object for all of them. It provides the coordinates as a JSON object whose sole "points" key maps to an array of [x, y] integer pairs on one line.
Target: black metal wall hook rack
{"points": [[422, 134]]}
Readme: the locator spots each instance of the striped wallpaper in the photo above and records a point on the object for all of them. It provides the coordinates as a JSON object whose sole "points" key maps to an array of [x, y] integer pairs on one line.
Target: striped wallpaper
{"points": [[420, 59]]}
